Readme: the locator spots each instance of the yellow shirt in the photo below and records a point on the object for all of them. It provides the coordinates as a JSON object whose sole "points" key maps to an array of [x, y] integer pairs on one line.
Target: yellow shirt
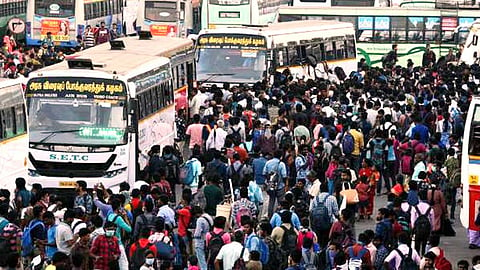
{"points": [[359, 144]]}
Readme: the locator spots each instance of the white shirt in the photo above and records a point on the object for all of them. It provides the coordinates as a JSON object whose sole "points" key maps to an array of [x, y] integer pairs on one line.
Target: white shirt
{"points": [[62, 236], [216, 139], [405, 250], [314, 190], [230, 253], [197, 101], [167, 214]]}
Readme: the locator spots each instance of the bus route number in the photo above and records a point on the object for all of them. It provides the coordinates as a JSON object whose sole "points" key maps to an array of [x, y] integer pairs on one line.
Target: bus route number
{"points": [[473, 179]]}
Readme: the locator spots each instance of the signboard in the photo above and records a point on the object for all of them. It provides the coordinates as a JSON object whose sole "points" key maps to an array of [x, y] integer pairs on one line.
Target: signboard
{"points": [[76, 87], [232, 41], [16, 25], [229, 14], [163, 30], [59, 28]]}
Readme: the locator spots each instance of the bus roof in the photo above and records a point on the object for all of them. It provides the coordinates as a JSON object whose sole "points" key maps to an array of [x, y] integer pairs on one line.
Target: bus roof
{"points": [[282, 28], [380, 11], [136, 53]]}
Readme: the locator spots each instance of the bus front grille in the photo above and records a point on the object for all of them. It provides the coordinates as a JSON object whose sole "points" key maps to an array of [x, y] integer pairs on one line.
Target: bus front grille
{"points": [[71, 169]]}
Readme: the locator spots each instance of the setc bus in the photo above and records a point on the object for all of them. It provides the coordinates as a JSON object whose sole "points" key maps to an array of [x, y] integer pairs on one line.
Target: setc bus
{"points": [[471, 50], [224, 13], [171, 18], [333, 3], [470, 162], [13, 133], [68, 18], [250, 54], [377, 29], [97, 124], [11, 9]]}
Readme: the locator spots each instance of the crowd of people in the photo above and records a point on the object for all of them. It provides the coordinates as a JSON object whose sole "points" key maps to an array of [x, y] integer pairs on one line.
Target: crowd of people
{"points": [[19, 60], [274, 178]]}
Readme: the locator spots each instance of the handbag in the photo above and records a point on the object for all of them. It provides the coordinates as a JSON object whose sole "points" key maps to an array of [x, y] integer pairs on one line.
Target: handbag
{"points": [[350, 195]]}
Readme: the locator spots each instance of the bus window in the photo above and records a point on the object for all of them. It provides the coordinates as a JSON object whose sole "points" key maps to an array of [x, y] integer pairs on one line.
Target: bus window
{"points": [[339, 47], [399, 28], [474, 142], [161, 11], [293, 57], [416, 26], [329, 51], [141, 105], [20, 119], [351, 50], [432, 28], [382, 29], [67, 8]]}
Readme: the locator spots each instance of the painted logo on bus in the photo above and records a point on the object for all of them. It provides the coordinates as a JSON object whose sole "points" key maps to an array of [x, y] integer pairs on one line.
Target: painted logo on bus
{"points": [[68, 157]]}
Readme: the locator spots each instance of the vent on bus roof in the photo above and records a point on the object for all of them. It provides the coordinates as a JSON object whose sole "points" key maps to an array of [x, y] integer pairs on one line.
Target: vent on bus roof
{"points": [[78, 63], [144, 35], [117, 45], [255, 25]]}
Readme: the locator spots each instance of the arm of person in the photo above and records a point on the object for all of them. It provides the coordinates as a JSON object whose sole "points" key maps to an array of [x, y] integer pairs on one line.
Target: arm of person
{"points": [[123, 224]]}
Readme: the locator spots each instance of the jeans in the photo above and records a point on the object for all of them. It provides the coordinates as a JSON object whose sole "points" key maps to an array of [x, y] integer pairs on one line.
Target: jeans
{"points": [[379, 183], [202, 261], [123, 261], [331, 186], [273, 196], [453, 200], [355, 162]]}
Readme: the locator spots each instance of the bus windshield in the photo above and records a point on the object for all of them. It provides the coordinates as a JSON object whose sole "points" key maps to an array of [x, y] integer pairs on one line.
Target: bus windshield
{"points": [[234, 58], [76, 111], [474, 143], [229, 2], [161, 11], [55, 8]]}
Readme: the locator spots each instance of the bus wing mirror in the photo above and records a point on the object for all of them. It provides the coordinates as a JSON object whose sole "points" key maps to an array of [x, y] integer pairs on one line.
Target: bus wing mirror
{"points": [[132, 106]]}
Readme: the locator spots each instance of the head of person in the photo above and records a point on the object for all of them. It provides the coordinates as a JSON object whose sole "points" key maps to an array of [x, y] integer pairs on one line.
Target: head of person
{"points": [[403, 238], [254, 255], [48, 218], [80, 186], [84, 235], [192, 261], [69, 216], [149, 257], [20, 183], [286, 216], [60, 259], [382, 214], [434, 240], [264, 229], [97, 221], [429, 259], [345, 175], [238, 236], [110, 228], [295, 257], [463, 265], [312, 176], [346, 214], [247, 225]]}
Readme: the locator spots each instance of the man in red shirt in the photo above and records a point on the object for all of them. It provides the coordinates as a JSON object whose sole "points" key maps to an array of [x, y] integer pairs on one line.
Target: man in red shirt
{"points": [[359, 250], [241, 152]]}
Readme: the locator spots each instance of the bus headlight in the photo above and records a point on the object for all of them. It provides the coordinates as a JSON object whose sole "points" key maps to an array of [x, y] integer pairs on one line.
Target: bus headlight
{"points": [[114, 173], [33, 173]]}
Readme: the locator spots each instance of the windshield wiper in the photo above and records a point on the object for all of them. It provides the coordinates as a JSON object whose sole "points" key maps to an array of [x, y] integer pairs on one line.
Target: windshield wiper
{"points": [[53, 133], [213, 75]]}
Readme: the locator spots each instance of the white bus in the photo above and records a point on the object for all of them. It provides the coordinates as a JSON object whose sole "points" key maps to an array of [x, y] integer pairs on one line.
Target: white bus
{"points": [[224, 13], [471, 166], [333, 3], [171, 18], [377, 29], [66, 19], [250, 54], [13, 133], [471, 49], [97, 124]]}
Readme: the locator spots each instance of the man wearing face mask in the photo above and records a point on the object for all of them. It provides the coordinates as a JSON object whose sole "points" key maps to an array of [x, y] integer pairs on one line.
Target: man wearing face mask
{"points": [[105, 248], [149, 261], [64, 237]]}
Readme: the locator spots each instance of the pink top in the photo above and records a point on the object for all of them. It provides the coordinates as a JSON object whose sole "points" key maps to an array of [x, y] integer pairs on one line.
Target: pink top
{"points": [[195, 132], [226, 236]]}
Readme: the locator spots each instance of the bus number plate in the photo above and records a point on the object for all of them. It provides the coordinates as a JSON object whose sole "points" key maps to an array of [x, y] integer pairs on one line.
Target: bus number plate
{"points": [[67, 184], [473, 179]]}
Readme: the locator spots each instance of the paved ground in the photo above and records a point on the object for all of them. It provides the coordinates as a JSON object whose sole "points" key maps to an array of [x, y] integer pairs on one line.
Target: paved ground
{"points": [[456, 248]]}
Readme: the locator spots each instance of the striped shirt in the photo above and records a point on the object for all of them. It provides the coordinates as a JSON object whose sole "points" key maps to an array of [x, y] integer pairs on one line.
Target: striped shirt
{"points": [[12, 232]]}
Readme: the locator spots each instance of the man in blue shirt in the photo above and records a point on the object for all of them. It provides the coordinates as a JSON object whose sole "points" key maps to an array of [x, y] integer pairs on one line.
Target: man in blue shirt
{"points": [[276, 220], [420, 129], [276, 185], [258, 164]]}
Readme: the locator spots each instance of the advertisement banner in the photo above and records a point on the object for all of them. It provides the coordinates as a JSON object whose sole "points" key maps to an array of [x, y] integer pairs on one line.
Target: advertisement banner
{"points": [[232, 41], [163, 30], [60, 29]]}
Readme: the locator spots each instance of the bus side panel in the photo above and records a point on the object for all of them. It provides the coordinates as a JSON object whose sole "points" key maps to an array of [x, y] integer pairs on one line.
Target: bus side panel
{"points": [[156, 129], [13, 154]]}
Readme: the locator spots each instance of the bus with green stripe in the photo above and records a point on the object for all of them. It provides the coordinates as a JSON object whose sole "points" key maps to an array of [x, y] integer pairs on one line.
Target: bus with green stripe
{"points": [[377, 29]]}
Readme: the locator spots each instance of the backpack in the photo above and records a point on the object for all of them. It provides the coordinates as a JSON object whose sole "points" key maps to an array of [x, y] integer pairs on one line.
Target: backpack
{"points": [[289, 240], [348, 143], [76, 225], [199, 198], [235, 175], [3, 223], [340, 73], [235, 135], [319, 217], [378, 153], [214, 246], [355, 262], [165, 251], [274, 178], [150, 225], [407, 262], [242, 211], [27, 241], [276, 255], [336, 150], [138, 258], [240, 263], [422, 226], [286, 140], [264, 251], [186, 172], [170, 170]]}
